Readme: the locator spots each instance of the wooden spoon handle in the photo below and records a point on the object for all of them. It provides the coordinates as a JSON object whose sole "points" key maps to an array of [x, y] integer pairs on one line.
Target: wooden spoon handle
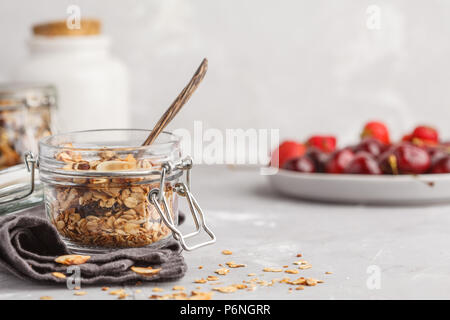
{"points": [[182, 98]]}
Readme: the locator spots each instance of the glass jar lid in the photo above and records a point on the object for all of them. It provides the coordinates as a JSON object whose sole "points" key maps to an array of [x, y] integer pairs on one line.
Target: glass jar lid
{"points": [[94, 145], [28, 94]]}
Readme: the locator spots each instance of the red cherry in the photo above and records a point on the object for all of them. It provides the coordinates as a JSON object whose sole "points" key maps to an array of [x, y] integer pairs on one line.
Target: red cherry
{"points": [[301, 164], [363, 163], [339, 160], [405, 158], [435, 153], [285, 151], [324, 143], [425, 135], [376, 130], [318, 157], [372, 146], [441, 166]]}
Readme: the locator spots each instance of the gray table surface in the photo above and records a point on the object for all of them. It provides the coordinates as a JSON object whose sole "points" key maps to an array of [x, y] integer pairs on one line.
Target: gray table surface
{"points": [[407, 245]]}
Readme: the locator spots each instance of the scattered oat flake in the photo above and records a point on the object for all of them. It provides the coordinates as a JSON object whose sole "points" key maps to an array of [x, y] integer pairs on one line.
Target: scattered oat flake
{"points": [[222, 271], [156, 289], [328, 272], [198, 295], [300, 288], [72, 259], [80, 293], [117, 292], [178, 288], [292, 271], [299, 281], [285, 266], [301, 262], [233, 264], [228, 289], [200, 280], [138, 291], [46, 298], [227, 252], [311, 282], [240, 286], [306, 266], [123, 295], [59, 275], [105, 288], [212, 278], [251, 274], [149, 271], [272, 270]]}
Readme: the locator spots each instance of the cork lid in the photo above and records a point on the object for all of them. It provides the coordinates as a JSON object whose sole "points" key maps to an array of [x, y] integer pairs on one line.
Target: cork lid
{"points": [[88, 27]]}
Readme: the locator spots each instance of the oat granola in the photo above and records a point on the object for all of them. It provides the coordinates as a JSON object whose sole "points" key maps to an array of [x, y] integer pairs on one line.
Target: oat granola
{"points": [[106, 211]]}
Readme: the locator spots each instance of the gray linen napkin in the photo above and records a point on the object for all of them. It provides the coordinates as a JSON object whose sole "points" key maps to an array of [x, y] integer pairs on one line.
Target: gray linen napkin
{"points": [[29, 245]]}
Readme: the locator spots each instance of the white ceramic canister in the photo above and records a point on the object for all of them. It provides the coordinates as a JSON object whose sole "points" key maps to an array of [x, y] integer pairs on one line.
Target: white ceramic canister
{"points": [[92, 84]]}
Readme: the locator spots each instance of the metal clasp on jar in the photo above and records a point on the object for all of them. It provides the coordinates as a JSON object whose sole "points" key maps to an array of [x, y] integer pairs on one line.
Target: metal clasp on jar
{"points": [[31, 163], [156, 196]]}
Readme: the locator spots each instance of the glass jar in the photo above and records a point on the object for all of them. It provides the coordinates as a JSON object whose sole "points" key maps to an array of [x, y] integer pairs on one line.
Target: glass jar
{"points": [[103, 190], [25, 117]]}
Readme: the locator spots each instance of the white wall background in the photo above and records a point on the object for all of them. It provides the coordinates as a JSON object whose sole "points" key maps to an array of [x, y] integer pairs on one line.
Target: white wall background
{"points": [[301, 66]]}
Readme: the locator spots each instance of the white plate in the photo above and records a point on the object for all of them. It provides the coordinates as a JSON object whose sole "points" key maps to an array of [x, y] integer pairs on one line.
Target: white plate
{"points": [[370, 189]]}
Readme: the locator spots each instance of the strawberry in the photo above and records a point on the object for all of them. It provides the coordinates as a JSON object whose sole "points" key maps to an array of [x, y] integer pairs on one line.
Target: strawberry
{"points": [[286, 151], [425, 135], [376, 130], [407, 138], [324, 143]]}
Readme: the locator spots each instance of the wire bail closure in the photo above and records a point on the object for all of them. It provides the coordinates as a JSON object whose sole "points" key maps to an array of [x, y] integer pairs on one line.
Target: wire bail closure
{"points": [[156, 196]]}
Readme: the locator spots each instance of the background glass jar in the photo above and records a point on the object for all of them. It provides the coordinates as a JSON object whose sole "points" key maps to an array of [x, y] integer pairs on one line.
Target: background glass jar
{"points": [[102, 190], [25, 117]]}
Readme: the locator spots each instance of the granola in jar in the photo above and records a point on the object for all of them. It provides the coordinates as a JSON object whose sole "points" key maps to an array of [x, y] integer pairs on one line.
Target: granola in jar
{"points": [[98, 197]]}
